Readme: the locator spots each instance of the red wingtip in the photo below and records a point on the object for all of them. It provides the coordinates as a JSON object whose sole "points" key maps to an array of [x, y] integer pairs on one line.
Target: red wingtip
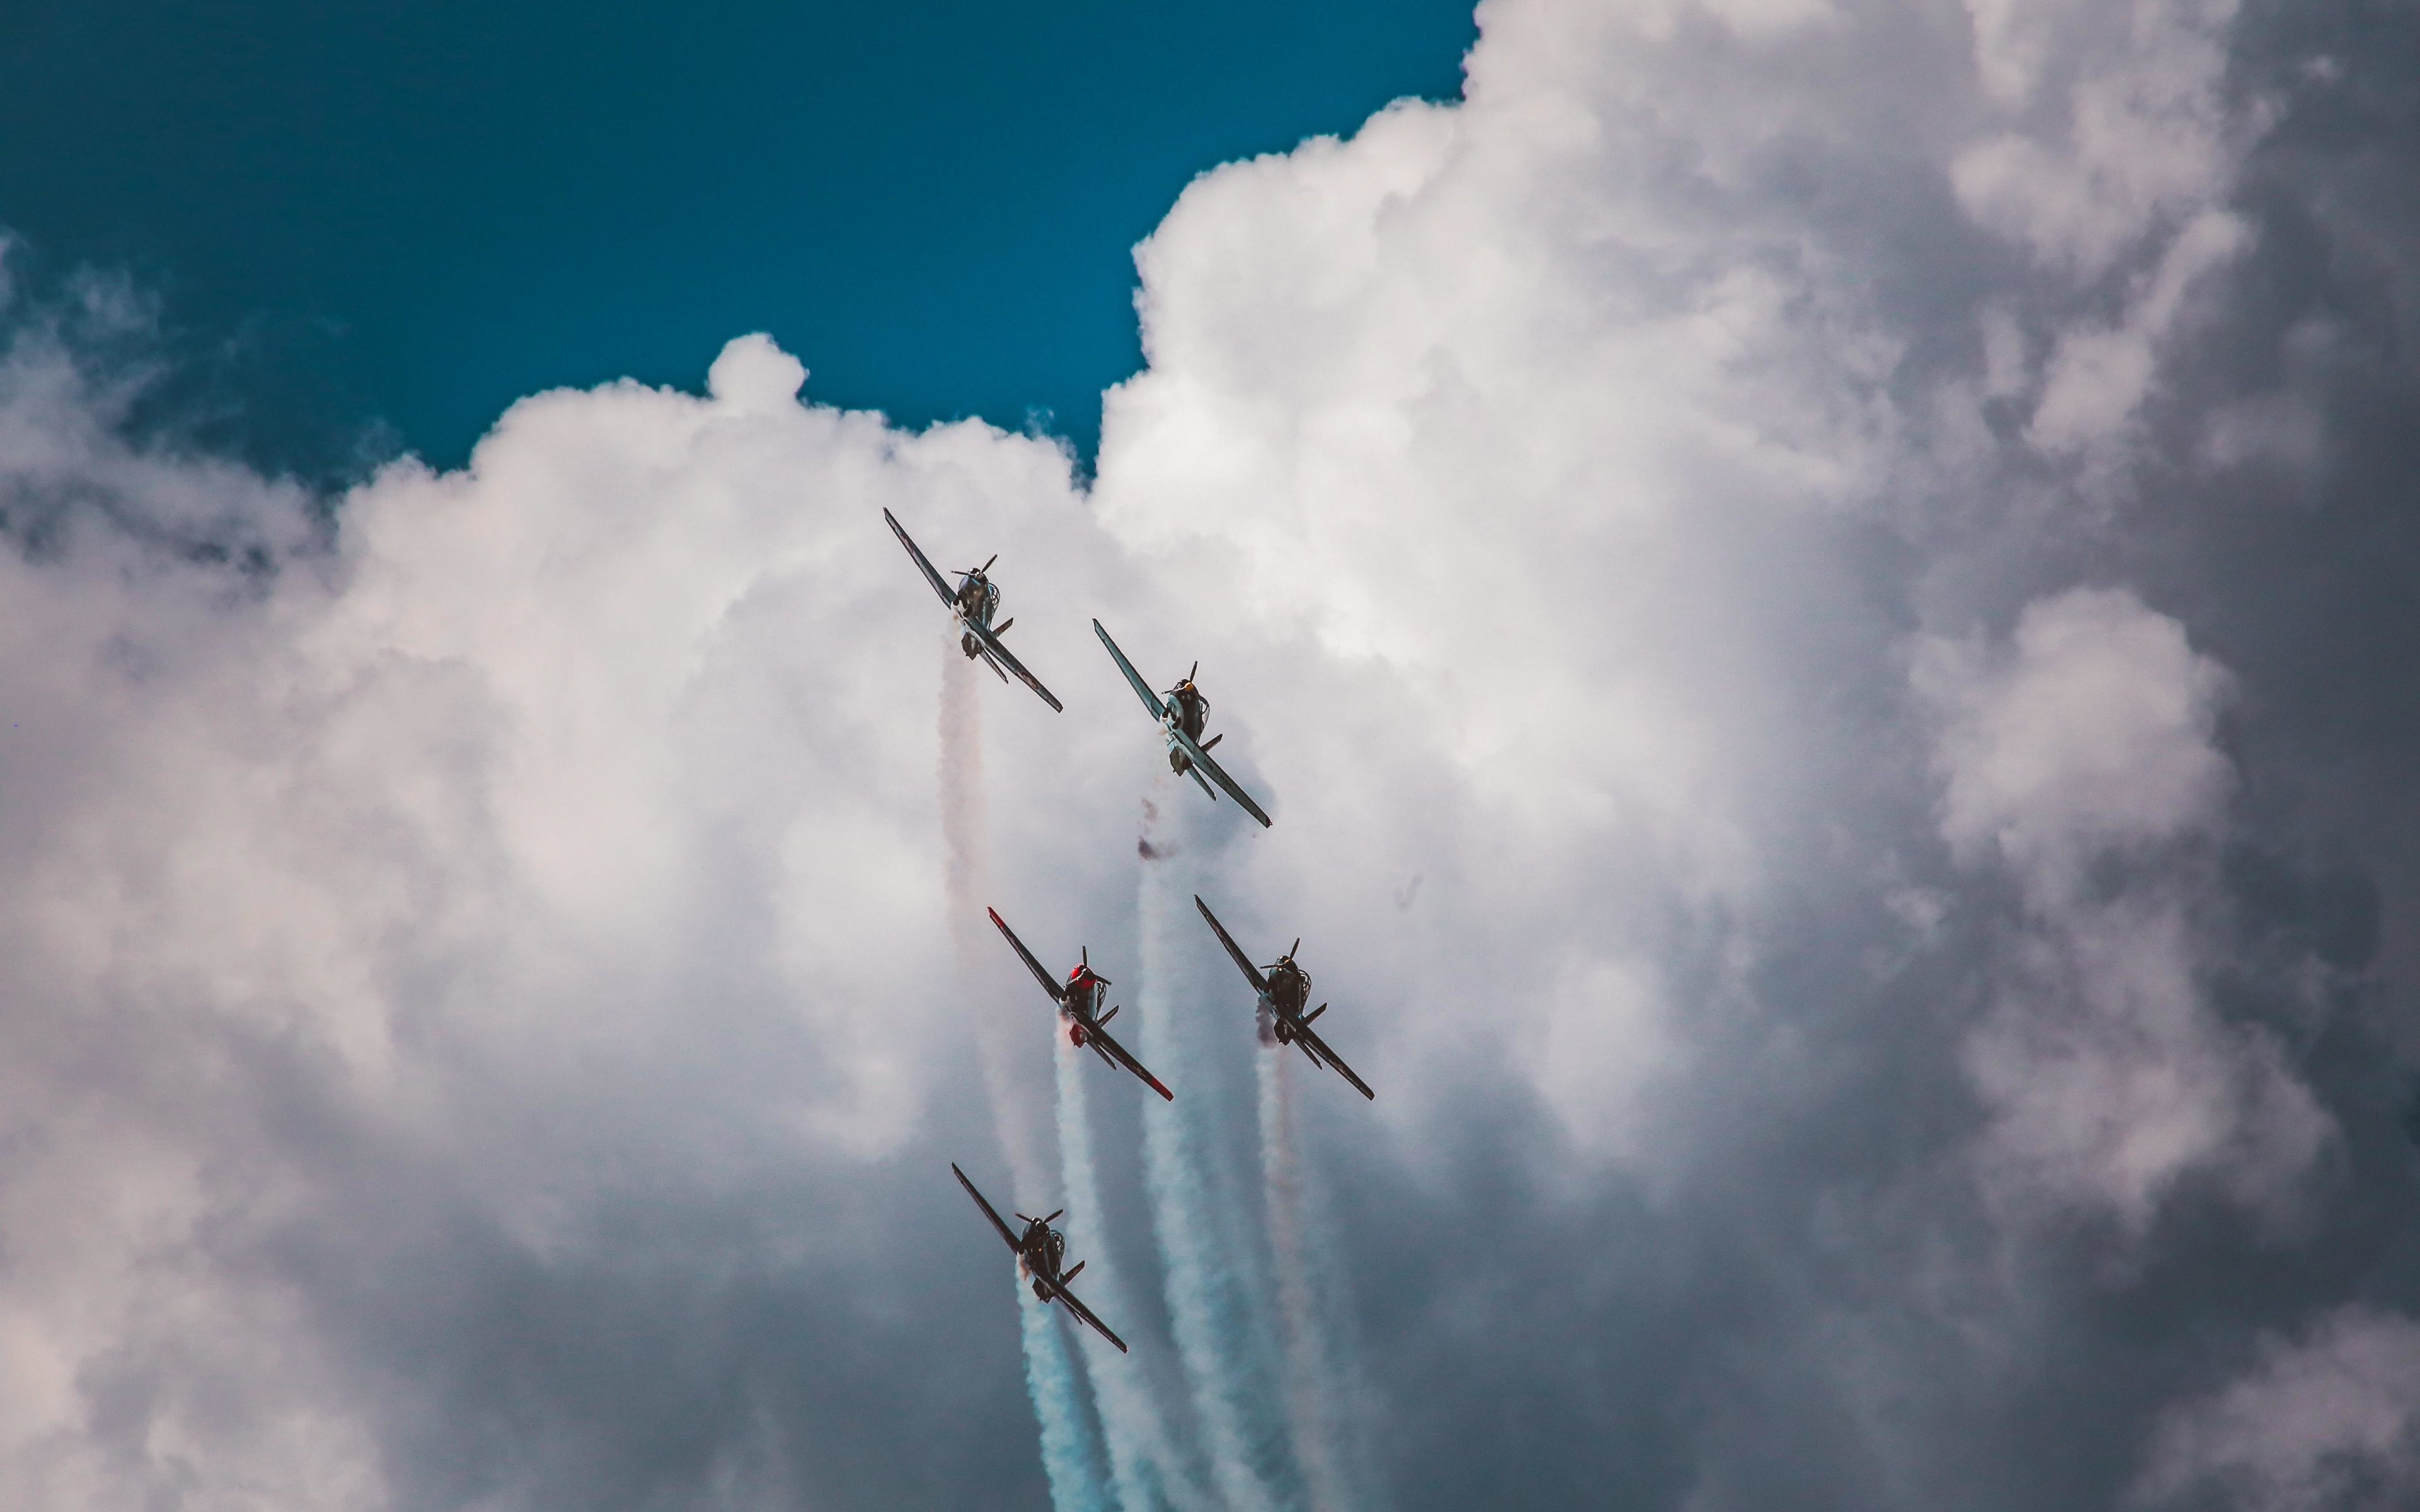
{"points": [[1162, 1090], [995, 917]]}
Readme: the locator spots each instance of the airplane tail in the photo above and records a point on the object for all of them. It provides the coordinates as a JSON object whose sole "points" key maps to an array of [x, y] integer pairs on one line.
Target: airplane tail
{"points": [[1314, 1012], [1074, 1274]]}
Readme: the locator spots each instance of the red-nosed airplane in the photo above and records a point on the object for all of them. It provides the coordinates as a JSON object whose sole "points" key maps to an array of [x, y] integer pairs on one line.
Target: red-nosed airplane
{"points": [[1283, 991], [1039, 1255], [1079, 1003], [973, 606]]}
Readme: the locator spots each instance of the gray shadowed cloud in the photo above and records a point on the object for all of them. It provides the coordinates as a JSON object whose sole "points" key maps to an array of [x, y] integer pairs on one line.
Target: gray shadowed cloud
{"points": [[1857, 551]]}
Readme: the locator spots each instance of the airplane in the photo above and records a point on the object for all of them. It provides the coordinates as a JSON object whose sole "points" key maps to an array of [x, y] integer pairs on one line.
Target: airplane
{"points": [[1039, 1255], [1080, 1002], [1283, 991], [1181, 721], [973, 606]]}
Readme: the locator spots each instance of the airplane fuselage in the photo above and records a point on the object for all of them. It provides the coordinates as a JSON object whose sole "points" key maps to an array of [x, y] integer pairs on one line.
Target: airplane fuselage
{"points": [[1188, 712], [1288, 991], [1081, 1006], [1040, 1254], [978, 600]]}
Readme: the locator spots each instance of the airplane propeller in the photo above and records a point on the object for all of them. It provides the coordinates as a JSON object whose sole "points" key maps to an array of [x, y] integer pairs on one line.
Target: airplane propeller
{"points": [[1188, 676], [1023, 1219]]}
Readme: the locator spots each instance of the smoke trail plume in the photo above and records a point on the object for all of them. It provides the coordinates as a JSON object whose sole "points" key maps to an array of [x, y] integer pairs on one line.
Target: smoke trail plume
{"points": [[1014, 1118], [1068, 1458], [1302, 1327], [1067, 1455], [1146, 1465], [1206, 1237]]}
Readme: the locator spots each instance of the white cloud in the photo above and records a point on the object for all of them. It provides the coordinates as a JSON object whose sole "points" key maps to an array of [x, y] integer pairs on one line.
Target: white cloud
{"points": [[2136, 142], [2326, 1421], [2107, 148], [2099, 376], [542, 770], [1549, 485], [1605, 1036], [2081, 758], [2093, 732]]}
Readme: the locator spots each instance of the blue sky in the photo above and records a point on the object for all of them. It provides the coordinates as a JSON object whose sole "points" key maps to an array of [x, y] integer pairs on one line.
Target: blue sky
{"points": [[416, 212]]}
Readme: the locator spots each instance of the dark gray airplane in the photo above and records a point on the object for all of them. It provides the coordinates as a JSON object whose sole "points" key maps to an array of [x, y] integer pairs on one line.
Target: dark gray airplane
{"points": [[1182, 717], [976, 600], [1080, 1002], [1284, 990], [1039, 1255]]}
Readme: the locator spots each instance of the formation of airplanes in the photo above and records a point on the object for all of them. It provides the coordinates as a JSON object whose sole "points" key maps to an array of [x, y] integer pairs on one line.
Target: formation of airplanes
{"points": [[1282, 987]]}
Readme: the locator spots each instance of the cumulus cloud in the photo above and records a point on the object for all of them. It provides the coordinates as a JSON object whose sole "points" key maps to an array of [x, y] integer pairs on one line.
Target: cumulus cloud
{"points": [[2330, 1419], [519, 788], [2093, 735], [480, 1023], [2083, 759]]}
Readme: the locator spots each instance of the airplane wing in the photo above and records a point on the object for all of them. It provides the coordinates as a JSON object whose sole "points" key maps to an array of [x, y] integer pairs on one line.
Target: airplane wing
{"points": [[1305, 1037], [1006, 1237], [1057, 994], [1251, 972], [1143, 690], [926, 567], [1060, 1291], [999, 653], [1201, 761], [1118, 1053]]}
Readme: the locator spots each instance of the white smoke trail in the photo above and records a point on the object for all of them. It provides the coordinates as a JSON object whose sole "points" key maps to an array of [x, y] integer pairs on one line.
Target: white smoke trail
{"points": [[1205, 1238], [1308, 1390], [1076, 1484], [1014, 1118], [1067, 1457], [1146, 1465]]}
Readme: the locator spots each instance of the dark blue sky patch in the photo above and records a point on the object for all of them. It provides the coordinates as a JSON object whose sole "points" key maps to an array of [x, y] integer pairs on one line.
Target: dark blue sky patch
{"points": [[379, 223]]}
